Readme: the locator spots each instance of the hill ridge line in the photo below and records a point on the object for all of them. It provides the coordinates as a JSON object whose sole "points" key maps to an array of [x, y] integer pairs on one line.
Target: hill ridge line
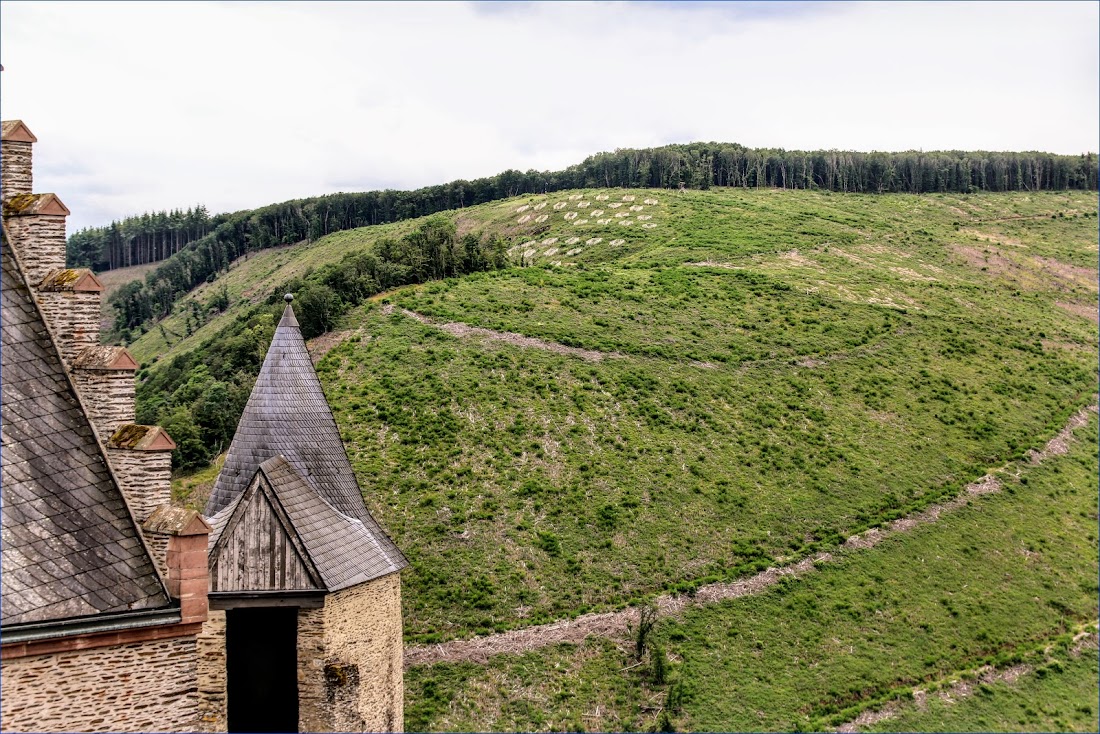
{"points": [[616, 625]]}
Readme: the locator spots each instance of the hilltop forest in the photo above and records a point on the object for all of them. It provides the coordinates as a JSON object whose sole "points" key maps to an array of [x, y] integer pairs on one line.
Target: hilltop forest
{"points": [[197, 246]]}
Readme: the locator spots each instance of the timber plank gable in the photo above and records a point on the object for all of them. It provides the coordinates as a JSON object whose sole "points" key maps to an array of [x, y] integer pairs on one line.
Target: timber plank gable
{"points": [[258, 549]]}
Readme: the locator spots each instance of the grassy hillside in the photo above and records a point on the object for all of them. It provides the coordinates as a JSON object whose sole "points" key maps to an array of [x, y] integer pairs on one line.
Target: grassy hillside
{"points": [[779, 369], [733, 379], [1007, 581]]}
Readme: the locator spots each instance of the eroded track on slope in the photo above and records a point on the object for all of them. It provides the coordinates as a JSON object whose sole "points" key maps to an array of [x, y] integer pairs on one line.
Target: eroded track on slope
{"points": [[616, 625]]}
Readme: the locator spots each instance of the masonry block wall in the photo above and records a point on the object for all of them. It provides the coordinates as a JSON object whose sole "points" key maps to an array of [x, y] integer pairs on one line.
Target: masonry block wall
{"points": [[18, 175], [350, 661], [74, 318], [314, 712], [212, 675], [109, 398], [363, 647], [146, 477], [40, 239], [144, 686]]}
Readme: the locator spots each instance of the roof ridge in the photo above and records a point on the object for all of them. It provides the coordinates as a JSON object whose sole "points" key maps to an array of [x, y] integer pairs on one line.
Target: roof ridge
{"points": [[101, 447]]}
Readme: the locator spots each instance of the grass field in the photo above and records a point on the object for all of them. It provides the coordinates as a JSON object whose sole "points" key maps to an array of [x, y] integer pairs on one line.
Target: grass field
{"points": [[836, 364], [1059, 695], [1007, 580], [764, 374]]}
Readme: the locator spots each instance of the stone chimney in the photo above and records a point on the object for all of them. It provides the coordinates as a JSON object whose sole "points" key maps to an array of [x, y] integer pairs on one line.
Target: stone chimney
{"points": [[142, 459], [36, 223], [183, 534], [140, 456], [69, 299], [105, 378], [16, 140]]}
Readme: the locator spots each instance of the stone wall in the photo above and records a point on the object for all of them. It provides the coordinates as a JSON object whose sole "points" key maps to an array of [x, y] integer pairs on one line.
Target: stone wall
{"points": [[364, 648], [143, 686], [212, 674], [146, 477], [40, 239], [313, 708], [75, 320], [350, 667], [17, 175], [109, 397]]}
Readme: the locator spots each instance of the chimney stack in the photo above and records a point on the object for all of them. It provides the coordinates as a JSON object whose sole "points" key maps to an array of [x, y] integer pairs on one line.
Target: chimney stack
{"points": [[16, 140]]}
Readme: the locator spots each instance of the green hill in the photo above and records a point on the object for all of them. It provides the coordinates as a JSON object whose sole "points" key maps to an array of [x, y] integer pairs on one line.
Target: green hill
{"points": [[713, 383]]}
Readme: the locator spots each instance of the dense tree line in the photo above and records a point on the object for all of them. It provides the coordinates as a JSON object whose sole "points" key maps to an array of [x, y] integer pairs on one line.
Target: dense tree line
{"points": [[702, 165], [139, 240], [698, 165], [199, 396]]}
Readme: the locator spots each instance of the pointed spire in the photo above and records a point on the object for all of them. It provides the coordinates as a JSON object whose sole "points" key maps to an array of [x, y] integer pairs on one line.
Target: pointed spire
{"points": [[288, 313], [287, 415]]}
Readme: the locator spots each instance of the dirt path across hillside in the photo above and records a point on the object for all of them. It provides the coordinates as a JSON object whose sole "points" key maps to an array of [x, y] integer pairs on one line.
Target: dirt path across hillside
{"points": [[1086, 640], [319, 346], [461, 330], [615, 625]]}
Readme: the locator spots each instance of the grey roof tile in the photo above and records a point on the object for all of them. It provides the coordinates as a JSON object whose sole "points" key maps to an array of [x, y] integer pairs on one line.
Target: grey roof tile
{"points": [[70, 547], [287, 416], [343, 549]]}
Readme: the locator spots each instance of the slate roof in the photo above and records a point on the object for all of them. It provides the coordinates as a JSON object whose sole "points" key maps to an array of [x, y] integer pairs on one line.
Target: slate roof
{"points": [[342, 549], [287, 416], [70, 546]]}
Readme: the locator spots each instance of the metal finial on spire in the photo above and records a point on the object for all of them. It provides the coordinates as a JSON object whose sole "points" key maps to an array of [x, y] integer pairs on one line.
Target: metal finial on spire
{"points": [[288, 297]]}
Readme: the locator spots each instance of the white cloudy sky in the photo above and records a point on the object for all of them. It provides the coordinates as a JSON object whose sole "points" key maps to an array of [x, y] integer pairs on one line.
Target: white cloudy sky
{"points": [[149, 105]]}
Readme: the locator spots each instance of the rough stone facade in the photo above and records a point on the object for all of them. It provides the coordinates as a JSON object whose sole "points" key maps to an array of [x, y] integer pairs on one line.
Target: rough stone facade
{"points": [[147, 686], [109, 397], [212, 674], [18, 177], [145, 476], [363, 641], [40, 239], [350, 665], [74, 318], [313, 708]]}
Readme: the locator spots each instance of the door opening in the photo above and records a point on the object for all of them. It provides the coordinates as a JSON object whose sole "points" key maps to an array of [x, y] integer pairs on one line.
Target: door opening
{"points": [[261, 660]]}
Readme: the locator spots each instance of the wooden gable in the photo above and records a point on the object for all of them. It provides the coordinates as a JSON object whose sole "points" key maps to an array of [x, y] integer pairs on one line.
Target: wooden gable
{"points": [[259, 550]]}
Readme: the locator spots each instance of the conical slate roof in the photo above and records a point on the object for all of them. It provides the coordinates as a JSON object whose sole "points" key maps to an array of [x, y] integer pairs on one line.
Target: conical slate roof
{"points": [[287, 416]]}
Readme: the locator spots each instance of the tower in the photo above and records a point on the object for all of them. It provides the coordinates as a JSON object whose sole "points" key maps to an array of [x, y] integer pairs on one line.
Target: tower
{"points": [[305, 590]]}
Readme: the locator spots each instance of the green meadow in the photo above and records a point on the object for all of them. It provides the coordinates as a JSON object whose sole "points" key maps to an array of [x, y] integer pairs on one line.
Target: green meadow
{"points": [[764, 373], [1007, 580]]}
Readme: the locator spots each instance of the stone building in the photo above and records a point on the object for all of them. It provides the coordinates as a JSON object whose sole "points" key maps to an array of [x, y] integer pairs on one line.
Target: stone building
{"points": [[305, 591], [104, 584], [115, 616]]}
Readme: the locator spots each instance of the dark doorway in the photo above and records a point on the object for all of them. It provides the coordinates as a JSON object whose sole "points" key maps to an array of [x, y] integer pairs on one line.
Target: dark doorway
{"points": [[261, 652]]}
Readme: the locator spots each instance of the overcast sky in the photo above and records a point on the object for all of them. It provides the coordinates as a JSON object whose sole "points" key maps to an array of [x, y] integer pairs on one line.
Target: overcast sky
{"points": [[144, 106]]}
